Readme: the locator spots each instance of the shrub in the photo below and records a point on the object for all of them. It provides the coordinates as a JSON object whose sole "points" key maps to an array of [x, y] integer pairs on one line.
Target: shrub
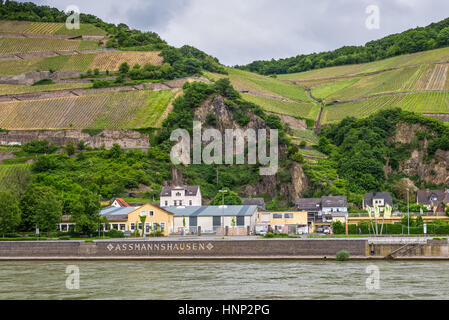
{"points": [[64, 238], [43, 82], [342, 255], [115, 234]]}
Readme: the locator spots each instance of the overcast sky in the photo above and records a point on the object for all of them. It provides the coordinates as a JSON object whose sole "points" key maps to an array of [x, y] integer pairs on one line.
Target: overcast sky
{"points": [[241, 31]]}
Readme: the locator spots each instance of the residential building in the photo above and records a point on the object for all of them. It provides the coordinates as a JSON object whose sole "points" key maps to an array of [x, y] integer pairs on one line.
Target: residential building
{"points": [[259, 202], [117, 217], [156, 219], [181, 196], [381, 200], [433, 200], [331, 204], [118, 202], [214, 219], [320, 211], [285, 221]]}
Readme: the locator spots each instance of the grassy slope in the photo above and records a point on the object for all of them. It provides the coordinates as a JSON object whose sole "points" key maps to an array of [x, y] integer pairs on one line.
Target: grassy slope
{"points": [[294, 109], [243, 80]]}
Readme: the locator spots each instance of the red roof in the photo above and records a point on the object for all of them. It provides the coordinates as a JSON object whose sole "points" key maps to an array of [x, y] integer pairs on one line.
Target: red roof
{"points": [[120, 201]]}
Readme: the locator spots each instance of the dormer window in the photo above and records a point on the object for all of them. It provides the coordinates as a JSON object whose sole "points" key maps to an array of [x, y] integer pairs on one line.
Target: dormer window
{"points": [[178, 194]]}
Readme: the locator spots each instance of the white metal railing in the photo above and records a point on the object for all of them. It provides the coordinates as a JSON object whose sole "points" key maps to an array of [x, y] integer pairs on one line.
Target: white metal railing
{"points": [[398, 240]]}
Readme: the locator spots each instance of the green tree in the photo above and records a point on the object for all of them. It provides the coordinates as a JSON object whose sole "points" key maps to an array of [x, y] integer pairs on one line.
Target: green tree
{"points": [[230, 198], [443, 37], [124, 68], [43, 208], [338, 227], [70, 148], [9, 212]]}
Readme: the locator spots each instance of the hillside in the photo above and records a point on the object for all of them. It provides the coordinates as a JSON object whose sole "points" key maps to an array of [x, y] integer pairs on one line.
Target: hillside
{"points": [[433, 36], [80, 96]]}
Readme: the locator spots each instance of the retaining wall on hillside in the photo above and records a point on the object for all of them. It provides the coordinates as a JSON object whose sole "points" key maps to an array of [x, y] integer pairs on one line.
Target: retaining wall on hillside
{"points": [[127, 139]]}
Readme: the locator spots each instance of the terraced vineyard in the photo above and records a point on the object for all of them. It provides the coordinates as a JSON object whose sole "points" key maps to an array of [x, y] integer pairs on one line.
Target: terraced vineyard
{"points": [[441, 54], [26, 45], [294, 109], [79, 62], [48, 28], [247, 81], [18, 89], [431, 102], [113, 110], [112, 61]]}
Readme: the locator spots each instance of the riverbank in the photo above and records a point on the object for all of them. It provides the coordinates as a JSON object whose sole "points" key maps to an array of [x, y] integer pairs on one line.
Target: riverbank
{"points": [[225, 249]]}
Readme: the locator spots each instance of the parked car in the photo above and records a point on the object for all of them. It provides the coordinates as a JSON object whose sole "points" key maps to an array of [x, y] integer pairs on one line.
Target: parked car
{"points": [[261, 229]]}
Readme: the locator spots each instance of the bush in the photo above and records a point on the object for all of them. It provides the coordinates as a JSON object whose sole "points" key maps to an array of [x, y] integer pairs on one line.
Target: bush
{"points": [[43, 82], [115, 234], [342, 255], [156, 234], [64, 238]]}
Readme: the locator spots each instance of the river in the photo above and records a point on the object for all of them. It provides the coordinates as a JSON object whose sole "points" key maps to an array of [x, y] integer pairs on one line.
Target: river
{"points": [[225, 280]]}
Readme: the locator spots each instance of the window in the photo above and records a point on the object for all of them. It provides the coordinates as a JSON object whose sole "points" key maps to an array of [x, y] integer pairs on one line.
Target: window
{"points": [[151, 213], [178, 194], [288, 215], [166, 203], [115, 226], [193, 221], [133, 226], [155, 226], [140, 225], [180, 202], [147, 227], [122, 227], [216, 221], [162, 226], [190, 202], [277, 215], [143, 213], [174, 203], [240, 221]]}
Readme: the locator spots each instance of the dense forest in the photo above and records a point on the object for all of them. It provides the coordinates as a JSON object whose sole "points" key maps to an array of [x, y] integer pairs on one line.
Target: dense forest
{"points": [[435, 35]]}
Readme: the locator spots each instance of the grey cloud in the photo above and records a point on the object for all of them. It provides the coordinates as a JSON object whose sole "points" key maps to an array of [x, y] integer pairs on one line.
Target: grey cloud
{"points": [[238, 32]]}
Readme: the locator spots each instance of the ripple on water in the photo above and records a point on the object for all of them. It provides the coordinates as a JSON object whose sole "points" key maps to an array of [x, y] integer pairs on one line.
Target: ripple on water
{"points": [[224, 280]]}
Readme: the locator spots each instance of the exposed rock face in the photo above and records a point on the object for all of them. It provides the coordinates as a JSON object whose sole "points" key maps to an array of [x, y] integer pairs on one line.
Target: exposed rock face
{"points": [[436, 171], [268, 184], [127, 139]]}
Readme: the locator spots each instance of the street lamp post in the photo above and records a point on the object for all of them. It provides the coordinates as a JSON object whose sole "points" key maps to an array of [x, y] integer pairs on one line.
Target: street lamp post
{"points": [[222, 206], [408, 211]]}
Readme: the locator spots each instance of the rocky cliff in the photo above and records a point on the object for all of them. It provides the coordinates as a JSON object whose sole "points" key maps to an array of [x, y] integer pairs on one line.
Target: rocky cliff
{"points": [[435, 171], [268, 184]]}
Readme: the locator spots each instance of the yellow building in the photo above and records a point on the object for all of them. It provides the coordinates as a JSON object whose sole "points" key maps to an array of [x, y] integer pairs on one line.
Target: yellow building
{"points": [[129, 218], [156, 219], [285, 221]]}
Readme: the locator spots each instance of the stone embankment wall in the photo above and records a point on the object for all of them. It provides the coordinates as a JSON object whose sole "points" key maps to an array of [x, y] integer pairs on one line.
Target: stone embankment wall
{"points": [[182, 248], [127, 139]]}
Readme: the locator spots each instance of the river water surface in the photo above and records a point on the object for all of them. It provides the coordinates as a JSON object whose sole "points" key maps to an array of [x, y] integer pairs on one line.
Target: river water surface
{"points": [[225, 280]]}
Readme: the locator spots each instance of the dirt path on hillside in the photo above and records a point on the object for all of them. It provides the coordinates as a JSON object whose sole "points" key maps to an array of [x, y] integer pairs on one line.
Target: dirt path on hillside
{"points": [[50, 36], [388, 94], [47, 54], [318, 121]]}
